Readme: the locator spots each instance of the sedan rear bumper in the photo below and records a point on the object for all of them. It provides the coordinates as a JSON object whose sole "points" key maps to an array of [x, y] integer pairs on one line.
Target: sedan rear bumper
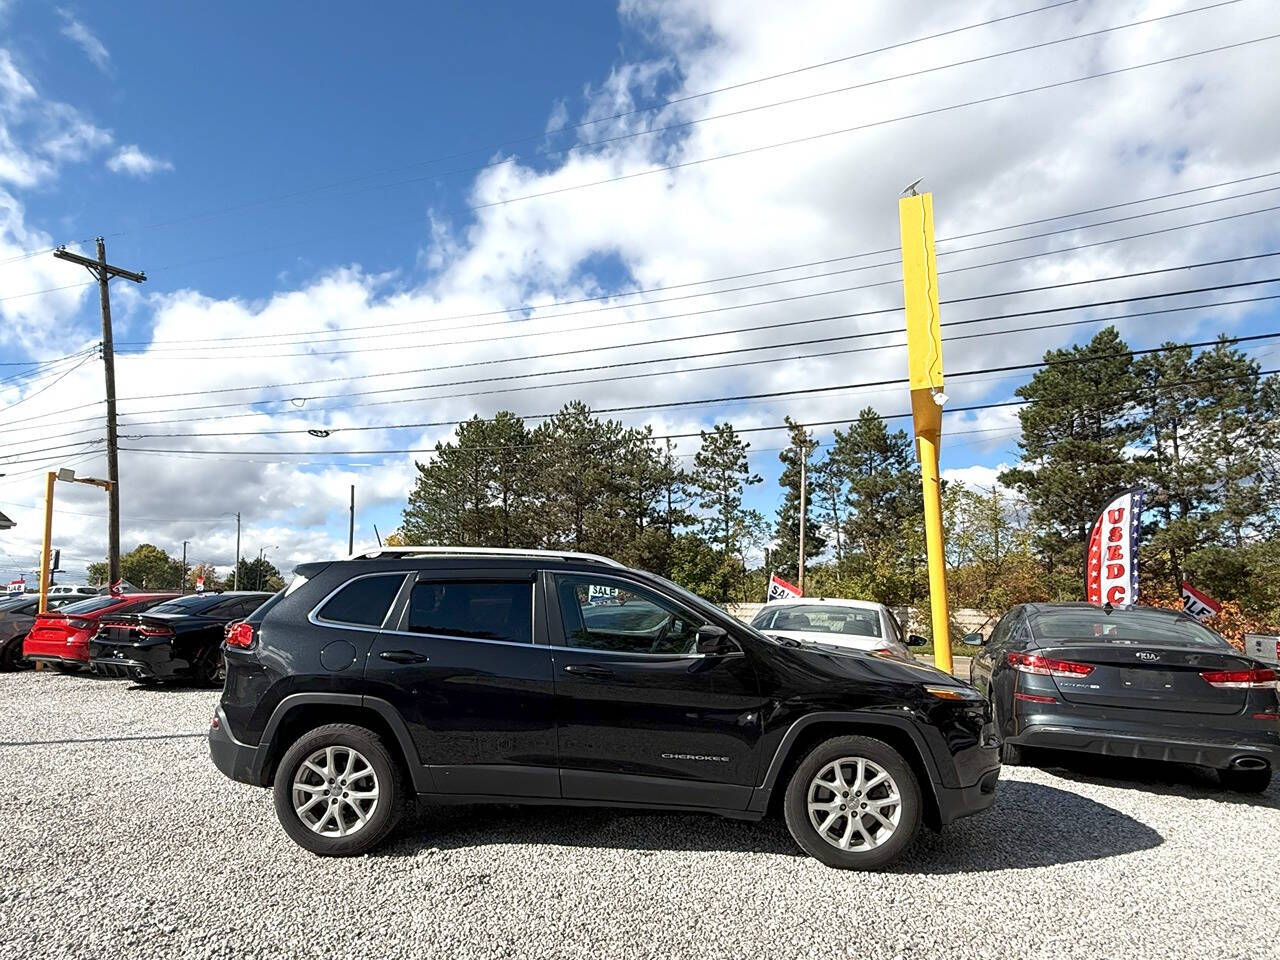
{"points": [[1219, 752]]}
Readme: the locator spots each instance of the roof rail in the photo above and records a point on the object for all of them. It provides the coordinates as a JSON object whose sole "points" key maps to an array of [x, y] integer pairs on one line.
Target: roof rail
{"points": [[481, 552]]}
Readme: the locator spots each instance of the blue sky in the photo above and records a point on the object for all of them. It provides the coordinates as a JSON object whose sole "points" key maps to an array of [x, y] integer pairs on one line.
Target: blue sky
{"points": [[286, 167]]}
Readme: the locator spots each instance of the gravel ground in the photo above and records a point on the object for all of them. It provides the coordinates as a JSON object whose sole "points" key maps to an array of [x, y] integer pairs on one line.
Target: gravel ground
{"points": [[119, 838]]}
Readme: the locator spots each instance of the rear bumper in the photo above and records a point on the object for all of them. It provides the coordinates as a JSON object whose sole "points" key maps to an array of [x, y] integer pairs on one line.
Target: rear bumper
{"points": [[59, 651], [154, 661], [1219, 751], [237, 760]]}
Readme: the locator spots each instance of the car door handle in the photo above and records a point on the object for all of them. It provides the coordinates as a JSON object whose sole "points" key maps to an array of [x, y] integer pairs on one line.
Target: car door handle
{"points": [[589, 670], [403, 656]]}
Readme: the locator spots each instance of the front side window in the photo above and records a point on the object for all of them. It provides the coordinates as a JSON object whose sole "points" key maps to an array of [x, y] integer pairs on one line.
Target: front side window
{"points": [[764, 619], [482, 610], [363, 602], [606, 615]]}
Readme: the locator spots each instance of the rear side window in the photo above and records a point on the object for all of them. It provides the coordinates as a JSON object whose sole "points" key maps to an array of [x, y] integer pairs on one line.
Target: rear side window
{"points": [[764, 619], [477, 610], [364, 601]]}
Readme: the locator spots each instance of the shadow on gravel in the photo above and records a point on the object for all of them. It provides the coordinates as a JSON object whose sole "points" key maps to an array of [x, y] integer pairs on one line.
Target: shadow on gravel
{"points": [[122, 739], [1031, 825], [1150, 776]]}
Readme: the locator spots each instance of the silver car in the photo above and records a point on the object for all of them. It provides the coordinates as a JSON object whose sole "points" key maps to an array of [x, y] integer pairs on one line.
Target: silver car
{"points": [[844, 624]]}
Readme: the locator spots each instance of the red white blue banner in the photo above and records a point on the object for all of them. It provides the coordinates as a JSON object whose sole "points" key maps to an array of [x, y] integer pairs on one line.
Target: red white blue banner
{"points": [[780, 589], [1111, 567], [1199, 604]]}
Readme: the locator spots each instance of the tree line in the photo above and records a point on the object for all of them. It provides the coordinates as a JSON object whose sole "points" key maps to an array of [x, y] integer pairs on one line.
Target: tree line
{"points": [[151, 568], [1197, 429]]}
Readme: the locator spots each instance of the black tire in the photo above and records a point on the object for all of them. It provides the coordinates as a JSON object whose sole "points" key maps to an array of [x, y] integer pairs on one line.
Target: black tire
{"points": [[1245, 781], [210, 671], [796, 804], [11, 655], [1012, 755], [382, 816]]}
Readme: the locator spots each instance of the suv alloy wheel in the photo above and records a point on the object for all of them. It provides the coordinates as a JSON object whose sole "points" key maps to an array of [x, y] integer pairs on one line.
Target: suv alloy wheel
{"points": [[853, 803], [337, 791]]}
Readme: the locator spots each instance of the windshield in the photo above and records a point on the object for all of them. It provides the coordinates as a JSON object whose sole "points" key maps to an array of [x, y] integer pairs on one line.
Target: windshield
{"points": [[192, 603], [823, 618], [1093, 624], [91, 605]]}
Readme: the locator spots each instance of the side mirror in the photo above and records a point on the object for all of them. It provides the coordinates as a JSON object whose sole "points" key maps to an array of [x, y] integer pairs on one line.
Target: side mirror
{"points": [[915, 640], [713, 639], [974, 639]]}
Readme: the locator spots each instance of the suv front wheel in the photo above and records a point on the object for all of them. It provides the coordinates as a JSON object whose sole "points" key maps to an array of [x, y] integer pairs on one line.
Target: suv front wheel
{"points": [[338, 792], [853, 803]]}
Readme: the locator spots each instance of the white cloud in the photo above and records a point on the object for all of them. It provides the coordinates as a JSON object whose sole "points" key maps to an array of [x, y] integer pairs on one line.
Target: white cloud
{"points": [[75, 31], [1023, 158], [133, 161]]}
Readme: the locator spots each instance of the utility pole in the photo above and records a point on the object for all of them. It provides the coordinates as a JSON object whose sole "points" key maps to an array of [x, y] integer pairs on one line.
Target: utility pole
{"points": [[804, 508], [351, 526], [182, 587], [104, 272], [924, 369], [235, 572]]}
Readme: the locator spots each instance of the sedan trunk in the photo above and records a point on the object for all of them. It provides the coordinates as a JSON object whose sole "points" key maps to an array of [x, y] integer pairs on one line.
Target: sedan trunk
{"points": [[1147, 676]]}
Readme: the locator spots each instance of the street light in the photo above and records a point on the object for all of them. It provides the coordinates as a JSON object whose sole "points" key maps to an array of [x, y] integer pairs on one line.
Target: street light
{"points": [[66, 475]]}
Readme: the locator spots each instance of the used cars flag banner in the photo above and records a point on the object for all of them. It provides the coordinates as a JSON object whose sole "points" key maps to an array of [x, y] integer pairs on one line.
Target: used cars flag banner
{"points": [[1111, 569], [1199, 605], [780, 589]]}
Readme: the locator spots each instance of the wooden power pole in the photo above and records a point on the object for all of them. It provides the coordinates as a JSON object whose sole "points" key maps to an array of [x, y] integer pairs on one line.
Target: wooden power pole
{"points": [[104, 272]]}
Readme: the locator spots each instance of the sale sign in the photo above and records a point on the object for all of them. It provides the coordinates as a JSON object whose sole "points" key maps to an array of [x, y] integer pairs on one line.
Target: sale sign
{"points": [[1111, 566], [780, 589], [1199, 605]]}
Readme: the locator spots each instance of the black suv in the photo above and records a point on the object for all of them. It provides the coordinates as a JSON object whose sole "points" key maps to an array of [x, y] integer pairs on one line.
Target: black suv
{"points": [[490, 676]]}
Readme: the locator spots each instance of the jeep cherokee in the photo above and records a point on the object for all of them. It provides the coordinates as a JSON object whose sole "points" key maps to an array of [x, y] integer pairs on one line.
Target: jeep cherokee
{"points": [[452, 675]]}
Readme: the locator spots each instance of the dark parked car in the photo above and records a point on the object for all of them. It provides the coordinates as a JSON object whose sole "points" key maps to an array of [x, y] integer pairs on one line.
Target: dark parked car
{"points": [[548, 678], [60, 637], [1129, 682], [181, 639], [17, 616]]}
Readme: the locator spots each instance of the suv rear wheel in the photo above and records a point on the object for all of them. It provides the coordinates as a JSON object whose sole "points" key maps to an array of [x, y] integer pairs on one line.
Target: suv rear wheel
{"points": [[853, 803], [338, 792]]}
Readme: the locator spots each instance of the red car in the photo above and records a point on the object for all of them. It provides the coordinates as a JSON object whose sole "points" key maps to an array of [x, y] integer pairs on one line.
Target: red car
{"points": [[61, 637]]}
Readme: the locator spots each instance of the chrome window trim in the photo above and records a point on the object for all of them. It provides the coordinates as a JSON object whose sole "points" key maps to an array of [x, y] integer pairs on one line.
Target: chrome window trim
{"points": [[313, 616]]}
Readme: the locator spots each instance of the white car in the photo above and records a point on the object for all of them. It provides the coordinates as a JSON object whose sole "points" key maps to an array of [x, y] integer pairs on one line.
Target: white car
{"points": [[846, 624]]}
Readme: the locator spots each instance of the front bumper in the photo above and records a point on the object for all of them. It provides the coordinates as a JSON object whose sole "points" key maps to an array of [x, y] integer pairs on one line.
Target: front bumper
{"points": [[957, 802], [1219, 751], [237, 760]]}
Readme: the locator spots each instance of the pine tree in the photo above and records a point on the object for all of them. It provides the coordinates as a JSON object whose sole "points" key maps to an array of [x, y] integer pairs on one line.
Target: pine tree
{"points": [[722, 472], [1075, 430]]}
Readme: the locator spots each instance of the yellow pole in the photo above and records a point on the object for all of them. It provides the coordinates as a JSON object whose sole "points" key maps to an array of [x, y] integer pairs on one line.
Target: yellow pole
{"points": [[46, 554], [924, 366]]}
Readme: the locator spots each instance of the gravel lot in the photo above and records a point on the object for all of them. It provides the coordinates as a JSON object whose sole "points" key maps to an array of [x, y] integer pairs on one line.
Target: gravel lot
{"points": [[119, 838]]}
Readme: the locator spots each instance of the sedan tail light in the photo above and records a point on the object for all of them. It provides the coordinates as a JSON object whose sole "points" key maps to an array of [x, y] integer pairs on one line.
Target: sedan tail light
{"points": [[1240, 679], [78, 623], [150, 631], [1047, 666], [241, 635]]}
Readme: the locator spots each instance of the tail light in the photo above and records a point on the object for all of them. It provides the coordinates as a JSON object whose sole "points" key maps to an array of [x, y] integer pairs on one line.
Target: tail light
{"points": [[149, 631], [1240, 679], [78, 623], [1034, 698], [1047, 666], [241, 635]]}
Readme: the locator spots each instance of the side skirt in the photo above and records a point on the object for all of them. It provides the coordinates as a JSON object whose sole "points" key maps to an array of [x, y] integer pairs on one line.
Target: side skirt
{"points": [[461, 799]]}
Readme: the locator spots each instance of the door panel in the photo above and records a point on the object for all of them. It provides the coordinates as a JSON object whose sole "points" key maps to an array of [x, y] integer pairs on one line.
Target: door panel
{"points": [[640, 726], [479, 707]]}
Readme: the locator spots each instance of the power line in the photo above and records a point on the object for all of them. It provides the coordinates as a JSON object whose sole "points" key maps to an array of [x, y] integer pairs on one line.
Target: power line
{"points": [[972, 408], [54, 382], [895, 381], [546, 132], [349, 379], [362, 333], [651, 131]]}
